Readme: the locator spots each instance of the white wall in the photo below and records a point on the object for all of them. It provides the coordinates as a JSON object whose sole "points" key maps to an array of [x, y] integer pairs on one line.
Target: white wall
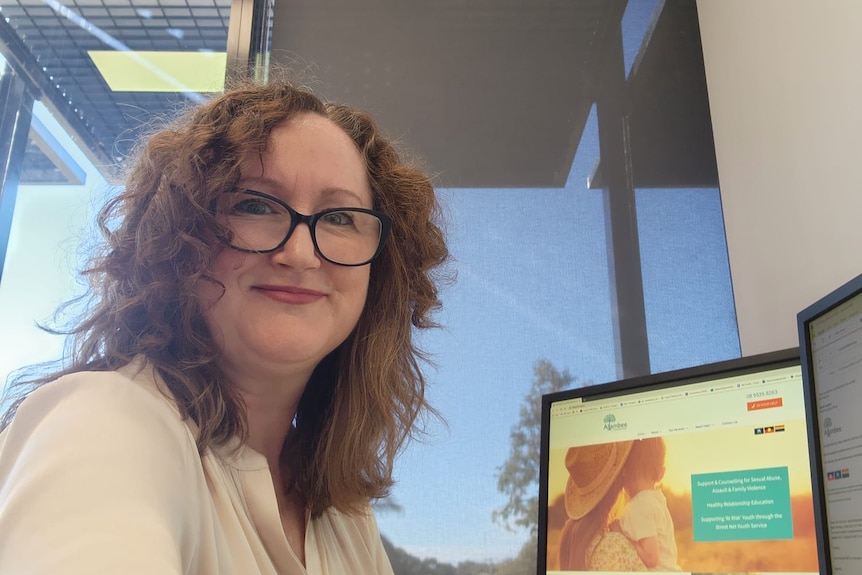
{"points": [[785, 90]]}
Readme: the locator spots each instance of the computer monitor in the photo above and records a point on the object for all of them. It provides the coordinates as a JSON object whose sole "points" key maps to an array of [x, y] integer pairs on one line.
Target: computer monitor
{"points": [[735, 476], [830, 338]]}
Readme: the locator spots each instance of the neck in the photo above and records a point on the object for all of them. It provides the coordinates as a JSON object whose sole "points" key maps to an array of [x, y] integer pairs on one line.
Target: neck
{"points": [[641, 485], [270, 409], [268, 426]]}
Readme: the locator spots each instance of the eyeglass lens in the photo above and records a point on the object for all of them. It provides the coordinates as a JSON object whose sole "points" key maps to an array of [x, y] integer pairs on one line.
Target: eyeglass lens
{"points": [[259, 223]]}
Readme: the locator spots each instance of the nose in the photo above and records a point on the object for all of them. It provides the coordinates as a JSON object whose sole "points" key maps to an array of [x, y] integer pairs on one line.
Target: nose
{"points": [[298, 251]]}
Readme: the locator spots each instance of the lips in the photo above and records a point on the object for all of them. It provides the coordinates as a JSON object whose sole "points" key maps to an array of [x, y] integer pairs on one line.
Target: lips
{"points": [[289, 294]]}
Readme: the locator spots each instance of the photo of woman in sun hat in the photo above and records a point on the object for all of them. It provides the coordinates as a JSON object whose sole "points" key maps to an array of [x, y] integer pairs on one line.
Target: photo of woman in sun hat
{"points": [[593, 487]]}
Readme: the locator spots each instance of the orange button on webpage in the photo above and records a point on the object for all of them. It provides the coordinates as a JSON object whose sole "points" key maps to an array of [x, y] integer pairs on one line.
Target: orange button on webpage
{"points": [[765, 404]]}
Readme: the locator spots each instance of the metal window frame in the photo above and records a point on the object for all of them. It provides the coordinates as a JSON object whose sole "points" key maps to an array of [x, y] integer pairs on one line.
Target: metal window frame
{"points": [[248, 39], [249, 34]]}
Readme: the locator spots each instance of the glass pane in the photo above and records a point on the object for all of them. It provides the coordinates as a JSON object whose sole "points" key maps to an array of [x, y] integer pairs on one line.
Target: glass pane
{"points": [[109, 68], [691, 319], [499, 101], [103, 73], [532, 285], [52, 228]]}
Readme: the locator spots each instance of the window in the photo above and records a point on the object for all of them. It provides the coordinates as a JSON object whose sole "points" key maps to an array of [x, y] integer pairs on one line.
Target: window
{"points": [[534, 250]]}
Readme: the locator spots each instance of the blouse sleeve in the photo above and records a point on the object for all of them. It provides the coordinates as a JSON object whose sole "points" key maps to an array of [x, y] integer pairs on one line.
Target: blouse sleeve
{"points": [[378, 552], [95, 478], [342, 543]]}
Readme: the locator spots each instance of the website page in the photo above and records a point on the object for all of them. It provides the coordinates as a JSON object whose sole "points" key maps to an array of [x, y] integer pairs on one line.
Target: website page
{"points": [[837, 359], [725, 487]]}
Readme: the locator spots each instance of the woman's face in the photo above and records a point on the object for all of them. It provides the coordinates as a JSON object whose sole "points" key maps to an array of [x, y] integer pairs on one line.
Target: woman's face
{"points": [[282, 312]]}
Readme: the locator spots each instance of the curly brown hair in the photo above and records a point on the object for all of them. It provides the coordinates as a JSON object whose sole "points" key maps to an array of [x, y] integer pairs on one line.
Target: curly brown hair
{"points": [[363, 401]]}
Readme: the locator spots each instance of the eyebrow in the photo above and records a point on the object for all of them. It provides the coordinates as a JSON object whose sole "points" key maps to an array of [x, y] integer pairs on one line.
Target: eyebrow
{"points": [[330, 191]]}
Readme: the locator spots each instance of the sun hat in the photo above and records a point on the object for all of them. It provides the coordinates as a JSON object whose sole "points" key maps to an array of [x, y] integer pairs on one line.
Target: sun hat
{"points": [[592, 469]]}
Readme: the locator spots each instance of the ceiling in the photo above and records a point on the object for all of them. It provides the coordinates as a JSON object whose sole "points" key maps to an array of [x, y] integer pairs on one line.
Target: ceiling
{"points": [[48, 43], [491, 93], [496, 93]]}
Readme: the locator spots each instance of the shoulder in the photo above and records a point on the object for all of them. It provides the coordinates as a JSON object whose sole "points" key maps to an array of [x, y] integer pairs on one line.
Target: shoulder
{"points": [[646, 499], [119, 417], [135, 382], [351, 542], [131, 398], [652, 498], [104, 460], [359, 527]]}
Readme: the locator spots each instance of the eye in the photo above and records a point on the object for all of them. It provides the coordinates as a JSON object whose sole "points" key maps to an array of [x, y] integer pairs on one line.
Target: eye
{"points": [[249, 205], [252, 207], [338, 219]]}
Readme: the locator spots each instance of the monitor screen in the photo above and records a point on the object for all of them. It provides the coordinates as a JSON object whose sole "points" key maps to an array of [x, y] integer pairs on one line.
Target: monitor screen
{"points": [[702, 470], [830, 336]]}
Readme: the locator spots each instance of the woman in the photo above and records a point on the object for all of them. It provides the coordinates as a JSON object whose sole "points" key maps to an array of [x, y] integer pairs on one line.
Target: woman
{"points": [[592, 489], [240, 388]]}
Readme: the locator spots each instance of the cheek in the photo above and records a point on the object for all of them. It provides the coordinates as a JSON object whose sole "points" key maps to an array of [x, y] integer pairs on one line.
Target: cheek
{"points": [[361, 283], [355, 290], [227, 265], [209, 292], [225, 270]]}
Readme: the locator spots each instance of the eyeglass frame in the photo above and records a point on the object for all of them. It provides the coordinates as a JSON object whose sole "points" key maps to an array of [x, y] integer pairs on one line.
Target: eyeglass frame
{"points": [[311, 220]]}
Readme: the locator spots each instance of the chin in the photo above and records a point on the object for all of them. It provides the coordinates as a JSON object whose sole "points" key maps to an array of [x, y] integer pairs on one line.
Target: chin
{"points": [[299, 354]]}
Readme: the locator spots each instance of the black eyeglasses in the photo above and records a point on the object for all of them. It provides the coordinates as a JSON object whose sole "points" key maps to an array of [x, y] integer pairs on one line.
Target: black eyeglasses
{"points": [[261, 223]]}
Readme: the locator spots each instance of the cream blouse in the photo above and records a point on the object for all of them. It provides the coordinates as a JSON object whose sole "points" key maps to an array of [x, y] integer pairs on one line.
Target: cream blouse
{"points": [[99, 475]]}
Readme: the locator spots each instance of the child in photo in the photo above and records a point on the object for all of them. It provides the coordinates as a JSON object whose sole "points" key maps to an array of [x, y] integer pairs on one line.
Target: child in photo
{"points": [[646, 520]]}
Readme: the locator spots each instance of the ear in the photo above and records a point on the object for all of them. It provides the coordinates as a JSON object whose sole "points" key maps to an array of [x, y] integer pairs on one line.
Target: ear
{"points": [[660, 475]]}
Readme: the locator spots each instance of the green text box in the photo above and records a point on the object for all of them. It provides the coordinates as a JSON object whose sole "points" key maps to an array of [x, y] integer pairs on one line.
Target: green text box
{"points": [[748, 505]]}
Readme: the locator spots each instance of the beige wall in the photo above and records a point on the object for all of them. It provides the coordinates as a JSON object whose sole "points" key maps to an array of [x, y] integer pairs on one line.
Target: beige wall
{"points": [[785, 90]]}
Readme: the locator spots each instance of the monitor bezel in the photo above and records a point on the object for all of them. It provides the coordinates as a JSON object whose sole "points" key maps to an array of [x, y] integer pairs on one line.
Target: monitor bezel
{"points": [[803, 320], [737, 366]]}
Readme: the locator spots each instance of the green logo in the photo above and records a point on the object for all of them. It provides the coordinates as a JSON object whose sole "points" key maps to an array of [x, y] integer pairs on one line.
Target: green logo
{"points": [[830, 429], [611, 424]]}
